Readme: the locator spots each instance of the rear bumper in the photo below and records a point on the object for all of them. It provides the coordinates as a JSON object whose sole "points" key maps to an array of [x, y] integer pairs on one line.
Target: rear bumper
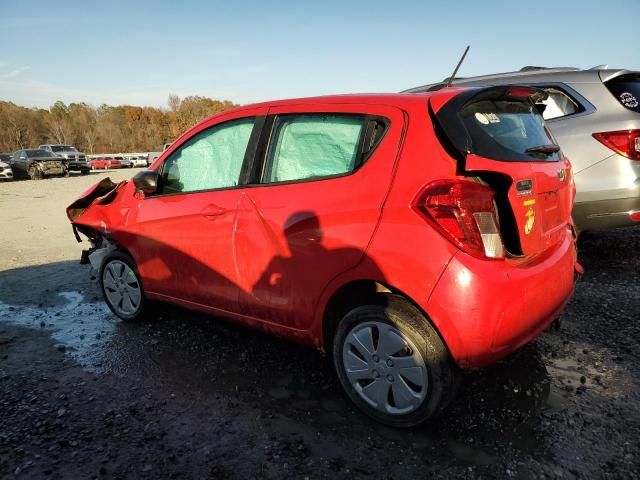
{"points": [[606, 213], [485, 310]]}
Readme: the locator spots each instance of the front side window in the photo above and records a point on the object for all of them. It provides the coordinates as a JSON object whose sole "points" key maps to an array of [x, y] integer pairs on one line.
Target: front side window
{"points": [[306, 146], [211, 159]]}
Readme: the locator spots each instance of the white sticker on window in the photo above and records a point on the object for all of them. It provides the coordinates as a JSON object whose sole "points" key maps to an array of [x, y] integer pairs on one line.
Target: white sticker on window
{"points": [[482, 118], [493, 118], [628, 100]]}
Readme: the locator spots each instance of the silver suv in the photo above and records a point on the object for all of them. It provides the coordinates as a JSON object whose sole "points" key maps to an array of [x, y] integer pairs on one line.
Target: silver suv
{"points": [[74, 160], [595, 116]]}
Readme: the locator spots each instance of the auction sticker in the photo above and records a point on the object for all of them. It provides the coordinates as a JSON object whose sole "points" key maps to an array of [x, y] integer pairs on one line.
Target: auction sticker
{"points": [[482, 118], [628, 100]]}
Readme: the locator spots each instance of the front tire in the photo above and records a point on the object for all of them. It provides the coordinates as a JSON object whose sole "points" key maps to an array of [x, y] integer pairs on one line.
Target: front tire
{"points": [[122, 288], [392, 363], [34, 173]]}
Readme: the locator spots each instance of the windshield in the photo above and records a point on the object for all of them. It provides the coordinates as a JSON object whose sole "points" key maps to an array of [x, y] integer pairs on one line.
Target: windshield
{"points": [[505, 129], [37, 153], [63, 148]]}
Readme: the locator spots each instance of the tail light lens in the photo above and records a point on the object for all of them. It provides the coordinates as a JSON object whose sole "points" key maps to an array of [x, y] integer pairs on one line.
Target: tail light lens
{"points": [[464, 212], [623, 142]]}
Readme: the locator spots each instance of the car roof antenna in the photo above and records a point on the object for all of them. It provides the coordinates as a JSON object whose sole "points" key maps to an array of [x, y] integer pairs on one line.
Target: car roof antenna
{"points": [[453, 75]]}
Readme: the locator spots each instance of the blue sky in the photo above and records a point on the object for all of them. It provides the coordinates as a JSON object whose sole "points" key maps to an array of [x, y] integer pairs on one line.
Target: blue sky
{"points": [[140, 52]]}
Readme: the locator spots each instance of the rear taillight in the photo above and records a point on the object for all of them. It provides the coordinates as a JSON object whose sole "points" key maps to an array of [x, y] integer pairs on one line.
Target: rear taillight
{"points": [[624, 142], [465, 213]]}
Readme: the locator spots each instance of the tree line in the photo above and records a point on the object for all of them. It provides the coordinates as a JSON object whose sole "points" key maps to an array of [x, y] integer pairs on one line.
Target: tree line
{"points": [[106, 129]]}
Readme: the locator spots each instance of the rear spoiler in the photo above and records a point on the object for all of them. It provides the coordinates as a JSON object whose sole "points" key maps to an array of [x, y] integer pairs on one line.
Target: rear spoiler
{"points": [[607, 75]]}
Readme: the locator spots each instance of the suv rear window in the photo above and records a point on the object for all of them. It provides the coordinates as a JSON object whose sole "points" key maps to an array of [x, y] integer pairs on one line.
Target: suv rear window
{"points": [[626, 89], [509, 130]]}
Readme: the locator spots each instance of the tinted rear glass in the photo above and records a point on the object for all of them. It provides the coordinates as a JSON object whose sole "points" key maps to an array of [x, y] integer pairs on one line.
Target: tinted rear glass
{"points": [[508, 130], [627, 91], [62, 148]]}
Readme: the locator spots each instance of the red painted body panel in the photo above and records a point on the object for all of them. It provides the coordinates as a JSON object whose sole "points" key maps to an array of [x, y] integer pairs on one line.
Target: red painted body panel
{"points": [[486, 310], [293, 239], [273, 255]]}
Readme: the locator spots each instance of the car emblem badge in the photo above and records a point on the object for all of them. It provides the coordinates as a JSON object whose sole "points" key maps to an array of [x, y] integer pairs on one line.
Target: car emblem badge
{"points": [[528, 225], [562, 174]]}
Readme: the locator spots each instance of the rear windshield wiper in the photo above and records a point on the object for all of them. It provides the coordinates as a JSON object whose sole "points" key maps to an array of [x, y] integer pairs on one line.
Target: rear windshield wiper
{"points": [[543, 149]]}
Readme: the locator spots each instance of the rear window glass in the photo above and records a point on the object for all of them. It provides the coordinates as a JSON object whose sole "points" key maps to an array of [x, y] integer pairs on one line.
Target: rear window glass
{"points": [[510, 130], [627, 91]]}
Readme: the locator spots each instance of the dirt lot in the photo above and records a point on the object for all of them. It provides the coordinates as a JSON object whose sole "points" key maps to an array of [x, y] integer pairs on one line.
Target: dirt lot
{"points": [[83, 395]]}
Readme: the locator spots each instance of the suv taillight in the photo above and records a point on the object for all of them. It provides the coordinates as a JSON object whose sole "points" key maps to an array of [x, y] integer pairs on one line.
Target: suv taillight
{"points": [[465, 214], [624, 142]]}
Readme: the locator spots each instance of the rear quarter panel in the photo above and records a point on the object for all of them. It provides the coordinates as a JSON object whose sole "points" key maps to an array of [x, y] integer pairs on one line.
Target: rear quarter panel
{"points": [[410, 254]]}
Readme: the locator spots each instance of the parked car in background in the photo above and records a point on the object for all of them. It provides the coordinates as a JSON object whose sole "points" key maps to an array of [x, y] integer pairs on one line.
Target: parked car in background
{"points": [[115, 162], [136, 160], [595, 115], [105, 163], [141, 160], [98, 163], [74, 160], [152, 157], [125, 161], [5, 157], [6, 173], [36, 164], [350, 224]]}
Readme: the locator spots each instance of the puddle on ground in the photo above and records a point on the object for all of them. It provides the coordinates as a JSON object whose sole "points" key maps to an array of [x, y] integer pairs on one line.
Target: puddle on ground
{"points": [[82, 330]]}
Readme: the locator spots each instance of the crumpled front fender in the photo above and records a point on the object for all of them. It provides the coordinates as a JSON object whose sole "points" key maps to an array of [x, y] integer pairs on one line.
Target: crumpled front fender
{"points": [[102, 207]]}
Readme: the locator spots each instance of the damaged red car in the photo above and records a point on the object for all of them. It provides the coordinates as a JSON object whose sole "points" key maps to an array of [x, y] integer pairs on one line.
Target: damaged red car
{"points": [[406, 235]]}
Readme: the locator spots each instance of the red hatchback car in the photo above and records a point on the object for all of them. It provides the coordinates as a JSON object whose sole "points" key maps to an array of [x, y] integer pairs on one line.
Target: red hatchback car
{"points": [[409, 235], [105, 163]]}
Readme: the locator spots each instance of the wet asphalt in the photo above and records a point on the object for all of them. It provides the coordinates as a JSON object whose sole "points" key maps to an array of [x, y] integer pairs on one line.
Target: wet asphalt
{"points": [[83, 395]]}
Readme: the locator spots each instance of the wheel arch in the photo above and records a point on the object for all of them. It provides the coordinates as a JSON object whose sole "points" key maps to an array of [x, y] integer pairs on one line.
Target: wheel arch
{"points": [[358, 292]]}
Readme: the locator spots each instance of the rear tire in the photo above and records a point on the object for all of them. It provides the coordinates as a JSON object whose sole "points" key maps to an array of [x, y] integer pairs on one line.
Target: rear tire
{"points": [[392, 363], [122, 288]]}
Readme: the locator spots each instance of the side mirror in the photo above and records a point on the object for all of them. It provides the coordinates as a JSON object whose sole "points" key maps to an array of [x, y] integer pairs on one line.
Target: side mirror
{"points": [[146, 181]]}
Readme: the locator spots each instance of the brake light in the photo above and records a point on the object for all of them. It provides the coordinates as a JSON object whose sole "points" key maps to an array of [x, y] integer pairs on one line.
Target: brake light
{"points": [[520, 92], [464, 212], [623, 142]]}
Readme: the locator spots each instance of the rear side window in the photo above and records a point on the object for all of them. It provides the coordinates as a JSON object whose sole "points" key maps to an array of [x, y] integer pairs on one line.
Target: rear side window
{"points": [[309, 146], [626, 89], [558, 104], [509, 130]]}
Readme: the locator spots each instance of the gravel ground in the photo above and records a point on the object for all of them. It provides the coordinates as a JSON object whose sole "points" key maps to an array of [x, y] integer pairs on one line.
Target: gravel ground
{"points": [[83, 395]]}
